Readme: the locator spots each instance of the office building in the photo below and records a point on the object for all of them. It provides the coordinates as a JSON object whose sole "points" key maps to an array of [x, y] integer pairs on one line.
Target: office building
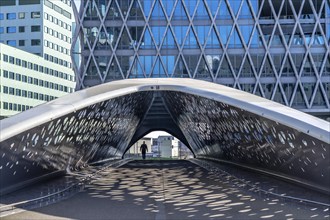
{"points": [[27, 80], [275, 49], [43, 29]]}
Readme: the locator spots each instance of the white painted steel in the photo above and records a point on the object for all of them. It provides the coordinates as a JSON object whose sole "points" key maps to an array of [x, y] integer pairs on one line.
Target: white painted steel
{"points": [[300, 121]]}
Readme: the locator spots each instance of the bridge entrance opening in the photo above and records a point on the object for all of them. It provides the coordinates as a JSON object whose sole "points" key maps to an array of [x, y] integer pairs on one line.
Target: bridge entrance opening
{"points": [[160, 145]]}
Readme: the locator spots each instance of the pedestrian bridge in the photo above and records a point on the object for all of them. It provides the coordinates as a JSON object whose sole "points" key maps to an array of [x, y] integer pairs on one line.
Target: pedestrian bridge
{"points": [[214, 121]]}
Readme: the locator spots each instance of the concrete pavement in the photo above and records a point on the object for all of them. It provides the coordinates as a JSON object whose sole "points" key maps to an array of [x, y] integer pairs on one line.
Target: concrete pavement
{"points": [[168, 190]]}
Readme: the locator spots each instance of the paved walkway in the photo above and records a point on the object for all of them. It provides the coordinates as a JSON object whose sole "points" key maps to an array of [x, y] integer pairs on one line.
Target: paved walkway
{"points": [[168, 190]]}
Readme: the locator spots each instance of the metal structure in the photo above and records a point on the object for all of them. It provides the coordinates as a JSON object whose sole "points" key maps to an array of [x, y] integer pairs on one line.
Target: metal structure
{"points": [[216, 122], [276, 49]]}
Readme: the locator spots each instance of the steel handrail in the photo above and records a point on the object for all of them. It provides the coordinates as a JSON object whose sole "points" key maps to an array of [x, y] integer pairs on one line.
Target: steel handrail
{"points": [[199, 162], [14, 205]]}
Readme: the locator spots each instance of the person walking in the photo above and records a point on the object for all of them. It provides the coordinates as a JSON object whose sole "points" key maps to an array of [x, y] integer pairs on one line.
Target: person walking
{"points": [[144, 149]]}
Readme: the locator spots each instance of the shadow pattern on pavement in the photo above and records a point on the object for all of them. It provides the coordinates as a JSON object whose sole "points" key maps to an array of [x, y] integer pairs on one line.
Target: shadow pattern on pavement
{"points": [[169, 190]]}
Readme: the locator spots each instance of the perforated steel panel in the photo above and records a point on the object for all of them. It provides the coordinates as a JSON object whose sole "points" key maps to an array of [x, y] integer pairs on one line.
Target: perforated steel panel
{"points": [[220, 131], [215, 121], [100, 131]]}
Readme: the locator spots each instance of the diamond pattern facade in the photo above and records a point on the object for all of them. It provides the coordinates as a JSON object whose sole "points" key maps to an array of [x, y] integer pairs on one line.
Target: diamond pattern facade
{"points": [[275, 49]]}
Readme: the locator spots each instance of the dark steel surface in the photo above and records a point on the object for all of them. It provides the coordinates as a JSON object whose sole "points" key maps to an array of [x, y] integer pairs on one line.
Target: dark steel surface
{"points": [[217, 130], [98, 132], [212, 129]]}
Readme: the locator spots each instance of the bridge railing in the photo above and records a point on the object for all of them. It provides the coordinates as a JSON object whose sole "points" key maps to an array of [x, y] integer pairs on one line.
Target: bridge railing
{"points": [[43, 200], [59, 195]]}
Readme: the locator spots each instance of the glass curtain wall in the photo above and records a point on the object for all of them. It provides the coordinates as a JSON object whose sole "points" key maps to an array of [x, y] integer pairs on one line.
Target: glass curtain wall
{"points": [[276, 49]]}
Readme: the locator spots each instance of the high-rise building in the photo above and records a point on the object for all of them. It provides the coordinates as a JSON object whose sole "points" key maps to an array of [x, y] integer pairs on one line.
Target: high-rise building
{"points": [[275, 49], [41, 30], [27, 80], [41, 27]]}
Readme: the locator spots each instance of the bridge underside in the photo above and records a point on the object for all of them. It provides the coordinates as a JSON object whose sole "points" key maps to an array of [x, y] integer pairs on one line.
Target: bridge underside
{"points": [[215, 122]]}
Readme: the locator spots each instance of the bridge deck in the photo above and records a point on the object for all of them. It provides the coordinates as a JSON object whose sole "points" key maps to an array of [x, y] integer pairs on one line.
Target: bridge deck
{"points": [[169, 190]]}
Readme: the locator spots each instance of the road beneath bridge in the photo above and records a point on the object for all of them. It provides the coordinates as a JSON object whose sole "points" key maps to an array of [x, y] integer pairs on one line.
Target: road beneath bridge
{"points": [[169, 189]]}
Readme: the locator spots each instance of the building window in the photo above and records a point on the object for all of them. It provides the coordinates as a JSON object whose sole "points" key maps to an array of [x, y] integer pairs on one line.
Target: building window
{"points": [[2, 30], [48, 3], [28, 2], [11, 91], [58, 9], [21, 29], [5, 73], [18, 77], [35, 28], [11, 60], [21, 15], [5, 105], [18, 92], [11, 29], [11, 16], [66, 14], [11, 43], [35, 42], [5, 90], [11, 75], [1, 16], [21, 43], [24, 63], [18, 62], [5, 57], [35, 14]]}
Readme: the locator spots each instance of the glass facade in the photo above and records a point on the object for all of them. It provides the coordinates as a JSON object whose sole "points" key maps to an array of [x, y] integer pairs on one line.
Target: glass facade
{"points": [[275, 49]]}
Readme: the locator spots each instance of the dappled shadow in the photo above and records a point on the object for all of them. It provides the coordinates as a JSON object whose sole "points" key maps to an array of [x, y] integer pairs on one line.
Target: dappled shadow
{"points": [[169, 190]]}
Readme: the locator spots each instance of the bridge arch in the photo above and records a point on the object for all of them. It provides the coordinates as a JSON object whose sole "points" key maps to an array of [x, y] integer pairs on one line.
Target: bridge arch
{"points": [[215, 121]]}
